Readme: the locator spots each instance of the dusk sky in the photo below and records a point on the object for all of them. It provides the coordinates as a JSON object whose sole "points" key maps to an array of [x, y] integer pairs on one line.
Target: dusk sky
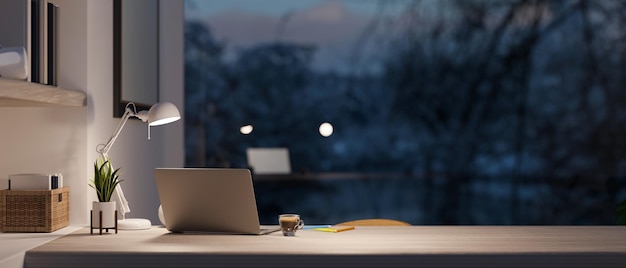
{"points": [[335, 28]]}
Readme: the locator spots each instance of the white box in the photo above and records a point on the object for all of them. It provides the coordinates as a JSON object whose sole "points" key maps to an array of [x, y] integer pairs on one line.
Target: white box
{"points": [[35, 181]]}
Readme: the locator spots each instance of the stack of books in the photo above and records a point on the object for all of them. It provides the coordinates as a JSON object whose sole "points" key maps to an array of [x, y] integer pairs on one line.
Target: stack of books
{"points": [[35, 181]]}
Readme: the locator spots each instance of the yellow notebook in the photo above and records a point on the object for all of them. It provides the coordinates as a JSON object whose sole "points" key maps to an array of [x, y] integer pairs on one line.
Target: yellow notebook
{"points": [[335, 228]]}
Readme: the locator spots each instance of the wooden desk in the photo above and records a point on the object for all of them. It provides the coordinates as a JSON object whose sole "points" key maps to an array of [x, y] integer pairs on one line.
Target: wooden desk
{"points": [[415, 246], [13, 246]]}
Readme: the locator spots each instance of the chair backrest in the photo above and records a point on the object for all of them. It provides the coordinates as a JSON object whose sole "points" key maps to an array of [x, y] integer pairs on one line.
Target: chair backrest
{"points": [[375, 222]]}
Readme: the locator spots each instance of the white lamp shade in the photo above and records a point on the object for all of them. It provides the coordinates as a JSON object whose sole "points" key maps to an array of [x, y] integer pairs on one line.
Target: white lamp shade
{"points": [[163, 113]]}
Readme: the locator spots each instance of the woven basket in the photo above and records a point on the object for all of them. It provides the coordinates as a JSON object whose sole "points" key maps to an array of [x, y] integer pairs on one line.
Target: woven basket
{"points": [[34, 211]]}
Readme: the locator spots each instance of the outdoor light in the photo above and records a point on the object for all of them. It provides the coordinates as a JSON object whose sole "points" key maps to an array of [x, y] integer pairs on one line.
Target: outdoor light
{"points": [[247, 129], [326, 129]]}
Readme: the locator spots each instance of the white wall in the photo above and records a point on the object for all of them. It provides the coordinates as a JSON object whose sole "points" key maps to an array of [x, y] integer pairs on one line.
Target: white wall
{"points": [[173, 78], [47, 140], [63, 140], [53, 140], [133, 152]]}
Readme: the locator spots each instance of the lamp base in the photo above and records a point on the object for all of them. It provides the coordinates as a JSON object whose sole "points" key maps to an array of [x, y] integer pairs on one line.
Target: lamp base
{"points": [[134, 224]]}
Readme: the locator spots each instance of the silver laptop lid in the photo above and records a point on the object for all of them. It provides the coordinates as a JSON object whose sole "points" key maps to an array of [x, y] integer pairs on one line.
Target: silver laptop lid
{"points": [[208, 200]]}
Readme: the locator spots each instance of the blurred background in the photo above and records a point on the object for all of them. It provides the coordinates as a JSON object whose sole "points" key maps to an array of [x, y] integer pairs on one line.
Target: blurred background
{"points": [[438, 111]]}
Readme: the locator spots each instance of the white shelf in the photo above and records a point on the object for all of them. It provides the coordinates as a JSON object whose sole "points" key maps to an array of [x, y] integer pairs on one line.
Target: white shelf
{"points": [[18, 93]]}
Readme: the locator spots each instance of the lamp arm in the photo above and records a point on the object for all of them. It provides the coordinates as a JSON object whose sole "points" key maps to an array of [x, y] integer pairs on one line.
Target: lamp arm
{"points": [[166, 114], [103, 149], [122, 203]]}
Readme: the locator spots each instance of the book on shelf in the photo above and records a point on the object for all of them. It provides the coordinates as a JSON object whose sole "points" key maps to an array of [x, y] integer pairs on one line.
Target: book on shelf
{"points": [[35, 181]]}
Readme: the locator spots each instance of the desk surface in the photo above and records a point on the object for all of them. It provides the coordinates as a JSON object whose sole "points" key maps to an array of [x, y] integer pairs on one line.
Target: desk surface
{"points": [[14, 245], [424, 246]]}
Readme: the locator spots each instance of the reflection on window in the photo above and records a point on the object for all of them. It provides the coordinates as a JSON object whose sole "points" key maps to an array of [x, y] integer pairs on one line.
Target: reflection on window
{"points": [[479, 112]]}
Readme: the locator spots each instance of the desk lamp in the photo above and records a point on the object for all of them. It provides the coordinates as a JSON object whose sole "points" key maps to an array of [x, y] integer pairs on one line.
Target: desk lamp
{"points": [[159, 114]]}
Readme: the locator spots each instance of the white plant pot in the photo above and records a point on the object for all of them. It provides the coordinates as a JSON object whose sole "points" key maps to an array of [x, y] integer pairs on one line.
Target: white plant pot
{"points": [[108, 214]]}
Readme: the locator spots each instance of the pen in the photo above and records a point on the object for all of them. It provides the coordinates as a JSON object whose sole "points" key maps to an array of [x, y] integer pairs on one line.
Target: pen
{"points": [[331, 230], [309, 227], [335, 230]]}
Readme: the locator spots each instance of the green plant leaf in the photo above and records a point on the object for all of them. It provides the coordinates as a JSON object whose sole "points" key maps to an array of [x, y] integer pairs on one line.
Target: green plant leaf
{"points": [[105, 179]]}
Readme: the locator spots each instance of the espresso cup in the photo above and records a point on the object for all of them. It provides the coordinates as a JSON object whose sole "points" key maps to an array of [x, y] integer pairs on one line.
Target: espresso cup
{"points": [[290, 223]]}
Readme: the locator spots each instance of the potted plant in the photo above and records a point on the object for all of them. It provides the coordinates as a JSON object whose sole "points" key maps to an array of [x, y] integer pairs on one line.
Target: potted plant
{"points": [[104, 182]]}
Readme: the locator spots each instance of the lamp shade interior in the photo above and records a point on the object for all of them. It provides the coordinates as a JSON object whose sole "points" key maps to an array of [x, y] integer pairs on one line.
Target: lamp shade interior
{"points": [[162, 113]]}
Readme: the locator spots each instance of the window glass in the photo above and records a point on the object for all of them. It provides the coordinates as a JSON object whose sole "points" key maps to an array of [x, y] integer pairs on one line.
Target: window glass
{"points": [[446, 111]]}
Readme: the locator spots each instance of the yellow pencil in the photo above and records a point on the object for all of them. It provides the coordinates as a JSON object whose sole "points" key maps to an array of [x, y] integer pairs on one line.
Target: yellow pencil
{"points": [[335, 229], [331, 230]]}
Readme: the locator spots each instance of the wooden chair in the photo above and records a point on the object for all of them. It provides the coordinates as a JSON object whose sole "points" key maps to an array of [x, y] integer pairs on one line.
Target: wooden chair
{"points": [[375, 222]]}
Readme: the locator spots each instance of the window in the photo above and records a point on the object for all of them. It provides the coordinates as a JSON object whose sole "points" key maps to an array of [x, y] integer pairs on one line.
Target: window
{"points": [[480, 112]]}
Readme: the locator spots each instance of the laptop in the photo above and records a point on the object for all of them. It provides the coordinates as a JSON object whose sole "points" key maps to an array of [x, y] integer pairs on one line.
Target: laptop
{"points": [[269, 160], [209, 200]]}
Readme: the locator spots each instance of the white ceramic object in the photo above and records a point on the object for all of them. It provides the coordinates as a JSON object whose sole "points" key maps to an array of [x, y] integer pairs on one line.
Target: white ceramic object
{"points": [[108, 214], [161, 217], [13, 63]]}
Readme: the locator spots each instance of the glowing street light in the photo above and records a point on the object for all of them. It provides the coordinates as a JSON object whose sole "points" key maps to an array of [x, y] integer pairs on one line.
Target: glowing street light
{"points": [[247, 129], [326, 129]]}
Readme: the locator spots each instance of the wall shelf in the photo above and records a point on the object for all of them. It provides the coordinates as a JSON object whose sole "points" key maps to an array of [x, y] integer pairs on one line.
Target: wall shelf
{"points": [[18, 93]]}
